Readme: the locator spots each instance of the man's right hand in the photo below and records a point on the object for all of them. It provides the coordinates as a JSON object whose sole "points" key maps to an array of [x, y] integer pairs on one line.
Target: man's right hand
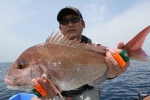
{"points": [[47, 87]]}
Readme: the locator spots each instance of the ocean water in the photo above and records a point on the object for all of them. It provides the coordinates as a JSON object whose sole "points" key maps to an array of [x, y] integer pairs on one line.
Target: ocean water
{"points": [[124, 87]]}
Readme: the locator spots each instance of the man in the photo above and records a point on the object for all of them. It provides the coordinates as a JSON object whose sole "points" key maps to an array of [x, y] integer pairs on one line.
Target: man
{"points": [[71, 23]]}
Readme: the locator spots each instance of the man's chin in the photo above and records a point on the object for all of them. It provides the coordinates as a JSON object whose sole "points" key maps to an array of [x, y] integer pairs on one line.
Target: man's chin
{"points": [[72, 36]]}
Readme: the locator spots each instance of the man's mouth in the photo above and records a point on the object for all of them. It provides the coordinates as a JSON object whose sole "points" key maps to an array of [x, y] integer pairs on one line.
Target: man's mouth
{"points": [[70, 31]]}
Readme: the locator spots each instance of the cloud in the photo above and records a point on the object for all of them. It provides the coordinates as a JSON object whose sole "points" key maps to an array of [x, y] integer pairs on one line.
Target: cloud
{"points": [[103, 9], [121, 27], [95, 13]]}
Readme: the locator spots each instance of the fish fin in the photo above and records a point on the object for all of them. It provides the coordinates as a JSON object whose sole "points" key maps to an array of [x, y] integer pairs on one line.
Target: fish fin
{"points": [[58, 38], [134, 46], [54, 87], [64, 40], [139, 55], [49, 38]]}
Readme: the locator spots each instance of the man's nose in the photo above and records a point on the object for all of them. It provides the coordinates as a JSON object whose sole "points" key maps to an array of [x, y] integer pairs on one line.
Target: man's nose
{"points": [[70, 23]]}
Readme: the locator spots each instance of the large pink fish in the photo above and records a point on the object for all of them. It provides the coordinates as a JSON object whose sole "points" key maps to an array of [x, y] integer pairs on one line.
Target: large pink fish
{"points": [[69, 64]]}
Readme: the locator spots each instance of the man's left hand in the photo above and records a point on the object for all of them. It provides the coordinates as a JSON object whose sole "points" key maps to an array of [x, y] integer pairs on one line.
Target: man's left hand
{"points": [[113, 67]]}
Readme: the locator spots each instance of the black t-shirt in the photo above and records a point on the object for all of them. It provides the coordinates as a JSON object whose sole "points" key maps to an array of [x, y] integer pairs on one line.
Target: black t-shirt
{"points": [[85, 40]]}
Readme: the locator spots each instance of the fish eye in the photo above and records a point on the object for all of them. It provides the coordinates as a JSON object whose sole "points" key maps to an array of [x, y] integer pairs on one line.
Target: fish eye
{"points": [[21, 65]]}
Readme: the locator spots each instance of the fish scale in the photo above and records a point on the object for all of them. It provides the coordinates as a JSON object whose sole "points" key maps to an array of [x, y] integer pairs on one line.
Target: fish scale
{"points": [[74, 65]]}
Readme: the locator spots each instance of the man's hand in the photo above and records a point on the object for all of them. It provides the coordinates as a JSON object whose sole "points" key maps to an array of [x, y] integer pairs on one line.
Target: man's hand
{"points": [[147, 98], [113, 67], [47, 87]]}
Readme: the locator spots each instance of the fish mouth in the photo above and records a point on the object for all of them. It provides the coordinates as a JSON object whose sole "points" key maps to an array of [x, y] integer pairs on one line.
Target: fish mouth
{"points": [[13, 86], [9, 82]]}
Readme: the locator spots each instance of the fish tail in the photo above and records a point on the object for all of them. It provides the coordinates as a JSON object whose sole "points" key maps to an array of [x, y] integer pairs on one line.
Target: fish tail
{"points": [[134, 46]]}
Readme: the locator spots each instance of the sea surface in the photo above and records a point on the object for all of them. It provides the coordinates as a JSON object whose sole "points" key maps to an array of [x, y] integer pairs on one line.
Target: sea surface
{"points": [[124, 87]]}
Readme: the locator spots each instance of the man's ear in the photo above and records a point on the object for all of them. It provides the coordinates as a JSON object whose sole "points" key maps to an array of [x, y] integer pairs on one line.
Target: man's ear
{"points": [[59, 27], [83, 23]]}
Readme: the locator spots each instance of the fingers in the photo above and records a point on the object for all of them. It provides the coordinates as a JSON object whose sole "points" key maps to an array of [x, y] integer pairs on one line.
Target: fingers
{"points": [[35, 98], [113, 66], [34, 82], [120, 45], [111, 69]]}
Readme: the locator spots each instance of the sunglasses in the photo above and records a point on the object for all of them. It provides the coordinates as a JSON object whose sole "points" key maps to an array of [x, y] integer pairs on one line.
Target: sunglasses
{"points": [[74, 19]]}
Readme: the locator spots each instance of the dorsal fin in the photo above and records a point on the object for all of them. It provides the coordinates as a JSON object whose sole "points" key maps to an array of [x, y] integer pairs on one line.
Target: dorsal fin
{"points": [[58, 38]]}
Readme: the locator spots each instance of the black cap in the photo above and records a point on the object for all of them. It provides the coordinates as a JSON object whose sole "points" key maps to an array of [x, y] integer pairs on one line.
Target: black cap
{"points": [[67, 10]]}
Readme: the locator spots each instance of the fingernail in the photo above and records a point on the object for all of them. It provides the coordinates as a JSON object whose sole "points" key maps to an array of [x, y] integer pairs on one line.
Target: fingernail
{"points": [[34, 82], [107, 48], [112, 52]]}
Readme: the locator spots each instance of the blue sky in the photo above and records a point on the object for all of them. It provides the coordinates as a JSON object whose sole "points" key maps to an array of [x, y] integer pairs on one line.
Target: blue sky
{"points": [[24, 23]]}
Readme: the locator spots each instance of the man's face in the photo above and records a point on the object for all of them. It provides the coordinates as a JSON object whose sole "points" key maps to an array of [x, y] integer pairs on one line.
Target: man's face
{"points": [[73, 29]]}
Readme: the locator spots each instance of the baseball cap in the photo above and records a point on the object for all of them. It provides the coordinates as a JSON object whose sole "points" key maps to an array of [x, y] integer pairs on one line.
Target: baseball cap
{"points": [[66, 10]]}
